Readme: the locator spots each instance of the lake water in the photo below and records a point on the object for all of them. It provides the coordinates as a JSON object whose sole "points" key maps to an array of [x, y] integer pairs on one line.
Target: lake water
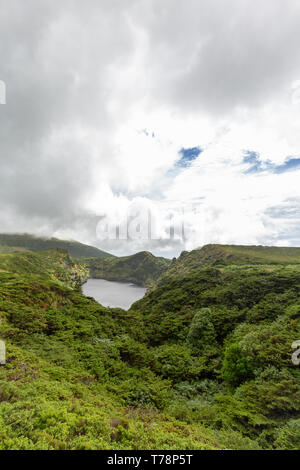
{"points": [[113, 294]]}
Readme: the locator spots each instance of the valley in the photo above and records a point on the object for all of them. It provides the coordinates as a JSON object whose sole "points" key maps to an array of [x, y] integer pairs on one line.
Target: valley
{"points": [[202, 361]]}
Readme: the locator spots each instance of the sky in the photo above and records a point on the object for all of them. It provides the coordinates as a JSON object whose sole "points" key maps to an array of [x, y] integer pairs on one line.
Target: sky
{"points": [[151, 125]]}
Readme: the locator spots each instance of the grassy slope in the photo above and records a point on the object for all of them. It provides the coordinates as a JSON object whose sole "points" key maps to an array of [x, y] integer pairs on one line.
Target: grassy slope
{"points": [[54, 264], [243, 304], [142, 268], [203, 361], [19, 242], [231, 255], [77, 374]]}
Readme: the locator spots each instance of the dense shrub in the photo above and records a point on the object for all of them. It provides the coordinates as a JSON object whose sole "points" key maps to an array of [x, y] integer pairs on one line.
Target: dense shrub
{"points": [[288, 437], [202, 362], [237, 367], [201, 331]]}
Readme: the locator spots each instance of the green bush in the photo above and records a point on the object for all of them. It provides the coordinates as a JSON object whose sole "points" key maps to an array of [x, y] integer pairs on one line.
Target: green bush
{"points": [[237, 367], [201, 331], [288, 437], [175, 362]]}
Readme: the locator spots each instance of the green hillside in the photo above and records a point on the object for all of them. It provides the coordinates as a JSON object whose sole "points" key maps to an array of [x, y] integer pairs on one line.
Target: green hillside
{"points": [[78, 375], [25, 242], [226, 255], [230, 327], [239, 254], [142, 268], [203, 361], [56, 265]]}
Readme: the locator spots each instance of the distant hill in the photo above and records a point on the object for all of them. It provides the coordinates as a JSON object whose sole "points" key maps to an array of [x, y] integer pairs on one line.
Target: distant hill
{"points": [[55, 265], [26, 242], [228, 255], [141, 268], [243, 254]]}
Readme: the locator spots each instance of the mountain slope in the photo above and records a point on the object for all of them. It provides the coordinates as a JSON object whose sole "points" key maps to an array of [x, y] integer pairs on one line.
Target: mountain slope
{"points": [[224, 333], [227, 255], [56, 265], [78, 375], [203, 361], [19, 242], [142, 268]]}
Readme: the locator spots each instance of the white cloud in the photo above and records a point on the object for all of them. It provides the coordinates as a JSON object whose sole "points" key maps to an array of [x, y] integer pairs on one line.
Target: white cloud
{"points": [[101, 98]]}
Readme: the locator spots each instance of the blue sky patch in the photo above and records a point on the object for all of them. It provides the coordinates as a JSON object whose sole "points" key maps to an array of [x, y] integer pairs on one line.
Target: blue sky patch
{"points": [[187, 156], [258, 166], [252, 158], [289, 165]]}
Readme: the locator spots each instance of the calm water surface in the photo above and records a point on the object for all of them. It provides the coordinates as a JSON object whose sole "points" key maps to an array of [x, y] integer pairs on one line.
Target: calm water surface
{"points": [[113, 294]]}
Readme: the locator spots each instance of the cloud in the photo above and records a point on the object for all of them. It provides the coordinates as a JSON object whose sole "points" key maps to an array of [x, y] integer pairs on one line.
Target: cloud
{"points": [[216, 56], [258, 166], [108, 102]]}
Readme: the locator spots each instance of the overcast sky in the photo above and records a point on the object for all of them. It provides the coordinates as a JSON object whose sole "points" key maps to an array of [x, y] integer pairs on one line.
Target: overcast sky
{"points": [[185, 112]]}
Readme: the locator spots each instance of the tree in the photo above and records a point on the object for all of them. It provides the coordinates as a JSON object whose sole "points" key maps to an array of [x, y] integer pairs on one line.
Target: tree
{"points": [[201, 331], [237, 367]]}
